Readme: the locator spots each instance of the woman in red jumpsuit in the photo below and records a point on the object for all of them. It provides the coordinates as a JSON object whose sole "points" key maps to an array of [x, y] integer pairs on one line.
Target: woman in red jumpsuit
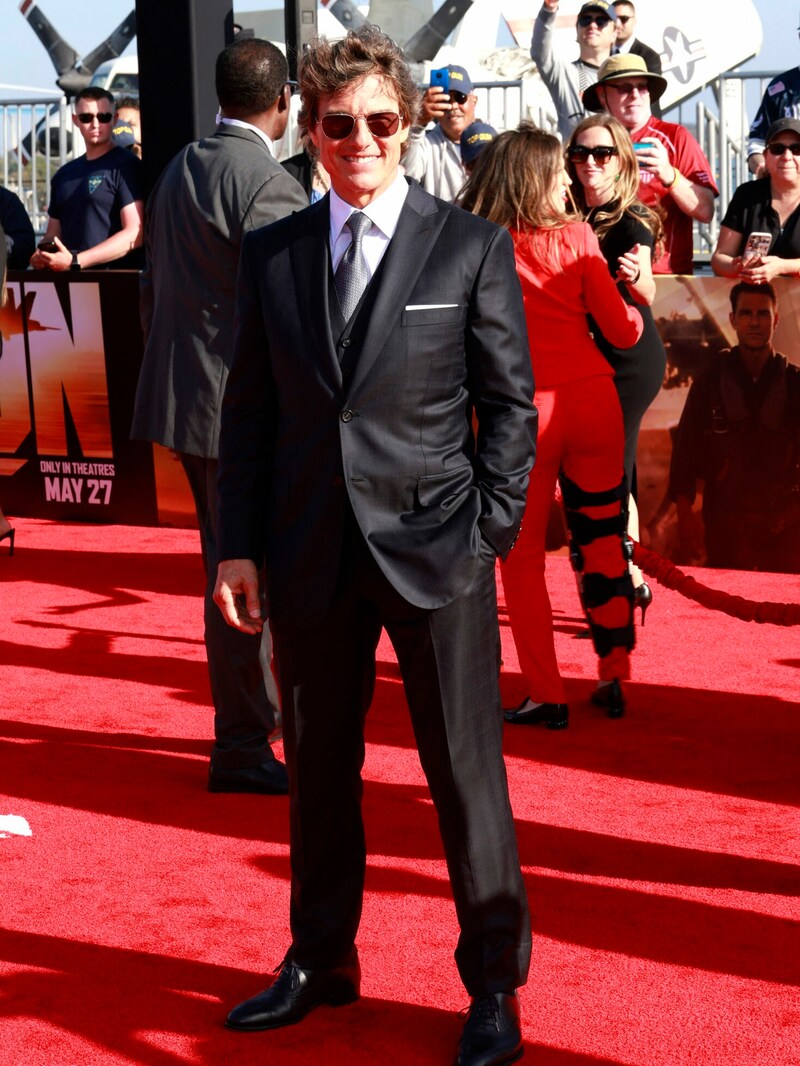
{"points": [[520, 182]]}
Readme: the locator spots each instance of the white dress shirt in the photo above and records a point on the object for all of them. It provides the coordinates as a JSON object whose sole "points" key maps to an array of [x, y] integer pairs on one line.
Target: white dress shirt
{"points": [[383, 212]]}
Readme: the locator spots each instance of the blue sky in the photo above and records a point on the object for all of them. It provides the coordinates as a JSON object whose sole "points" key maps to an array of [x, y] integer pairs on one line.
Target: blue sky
{"points": [[84, 23]]}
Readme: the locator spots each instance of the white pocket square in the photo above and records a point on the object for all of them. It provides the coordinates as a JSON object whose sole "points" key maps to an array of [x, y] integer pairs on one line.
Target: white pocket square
{"points": [[427, 307]]}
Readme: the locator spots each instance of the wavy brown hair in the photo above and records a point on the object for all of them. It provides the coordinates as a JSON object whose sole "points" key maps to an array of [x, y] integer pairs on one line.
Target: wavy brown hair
{"points": [[512, 184], [328, 66], [626, 193]]}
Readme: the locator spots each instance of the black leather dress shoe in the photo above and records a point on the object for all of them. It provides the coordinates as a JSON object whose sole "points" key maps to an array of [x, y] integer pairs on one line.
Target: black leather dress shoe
{"points": [[295, 993], [492, 1034], [268, 779], [553, 715]]}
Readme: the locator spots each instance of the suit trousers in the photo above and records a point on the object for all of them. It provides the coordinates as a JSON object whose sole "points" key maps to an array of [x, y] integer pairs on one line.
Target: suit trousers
{"points": [[581, 434], [243, 688], [449, 662]]}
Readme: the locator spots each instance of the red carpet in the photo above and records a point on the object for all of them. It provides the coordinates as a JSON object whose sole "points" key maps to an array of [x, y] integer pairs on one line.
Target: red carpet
{"points": [[660, 851]]}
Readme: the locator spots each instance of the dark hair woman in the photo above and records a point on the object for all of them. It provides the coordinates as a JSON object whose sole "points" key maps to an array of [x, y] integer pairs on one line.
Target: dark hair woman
{"points": [[520, 182]]}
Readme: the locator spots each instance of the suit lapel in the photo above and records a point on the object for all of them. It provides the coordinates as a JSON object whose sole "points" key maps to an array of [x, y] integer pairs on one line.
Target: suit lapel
{"points": [[418, 228], [310, 254]]}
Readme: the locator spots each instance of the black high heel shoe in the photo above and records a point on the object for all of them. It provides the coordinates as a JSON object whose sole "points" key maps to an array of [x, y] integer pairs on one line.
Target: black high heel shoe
{"points": [[610, 696], [9, 536], [553, 715], [642, 597]]}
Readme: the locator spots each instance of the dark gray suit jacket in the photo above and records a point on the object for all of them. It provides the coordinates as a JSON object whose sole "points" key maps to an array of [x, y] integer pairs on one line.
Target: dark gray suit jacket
{"points": [[211, 194], [394, 441]]}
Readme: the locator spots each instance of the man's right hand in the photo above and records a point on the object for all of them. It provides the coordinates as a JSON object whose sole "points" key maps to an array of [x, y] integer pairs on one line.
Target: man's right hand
{"points": [[435, 103], [236, 593]]}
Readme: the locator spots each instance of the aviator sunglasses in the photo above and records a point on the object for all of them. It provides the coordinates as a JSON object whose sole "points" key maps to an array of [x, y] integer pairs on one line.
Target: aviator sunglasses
{"points": [[102, 116], [781, 149], [579, 153], [338, 127]]}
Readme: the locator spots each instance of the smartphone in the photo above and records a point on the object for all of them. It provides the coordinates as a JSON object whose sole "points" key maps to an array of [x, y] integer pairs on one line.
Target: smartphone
{"points": [[637, 145], [440, 79], [758, 244], [48, 246]]}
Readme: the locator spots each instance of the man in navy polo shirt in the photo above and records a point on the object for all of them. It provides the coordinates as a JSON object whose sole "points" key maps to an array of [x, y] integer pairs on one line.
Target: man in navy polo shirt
{"points": [[96, 211]]}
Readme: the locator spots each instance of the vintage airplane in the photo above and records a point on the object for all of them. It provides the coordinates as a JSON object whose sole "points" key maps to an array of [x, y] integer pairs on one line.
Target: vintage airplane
{"points": [[491, 39]]}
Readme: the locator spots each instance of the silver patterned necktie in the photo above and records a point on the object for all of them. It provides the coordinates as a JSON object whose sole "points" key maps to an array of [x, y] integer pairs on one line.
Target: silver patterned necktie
{"points": [[352, 274]]}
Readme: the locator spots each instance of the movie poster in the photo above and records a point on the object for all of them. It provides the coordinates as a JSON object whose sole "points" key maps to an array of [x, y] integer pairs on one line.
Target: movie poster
{"points": [[72, 349]]}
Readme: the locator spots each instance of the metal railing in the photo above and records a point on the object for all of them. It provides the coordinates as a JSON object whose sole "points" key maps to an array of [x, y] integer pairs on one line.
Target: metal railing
{"points": [[35, 139], [31, 154]]}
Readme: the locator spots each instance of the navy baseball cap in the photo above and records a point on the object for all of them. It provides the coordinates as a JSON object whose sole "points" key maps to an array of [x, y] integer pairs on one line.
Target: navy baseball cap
{"points": [[459, 79], [783, 125], [599, 5], [474, 139], [123, 136]]}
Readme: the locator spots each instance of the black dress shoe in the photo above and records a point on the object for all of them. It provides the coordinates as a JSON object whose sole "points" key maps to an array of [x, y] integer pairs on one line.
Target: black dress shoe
{"points": [[268, 779], [553, 715], [492, 1034], [295, 993]]}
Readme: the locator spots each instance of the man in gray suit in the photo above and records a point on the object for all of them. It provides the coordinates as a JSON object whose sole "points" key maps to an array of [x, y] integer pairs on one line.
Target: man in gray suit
{"points": [[369, 328], [211, 194]]}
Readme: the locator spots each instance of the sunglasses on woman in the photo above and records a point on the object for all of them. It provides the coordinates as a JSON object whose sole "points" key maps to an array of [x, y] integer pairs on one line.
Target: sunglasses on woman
{"points": [[579, 153], [338, 127]]}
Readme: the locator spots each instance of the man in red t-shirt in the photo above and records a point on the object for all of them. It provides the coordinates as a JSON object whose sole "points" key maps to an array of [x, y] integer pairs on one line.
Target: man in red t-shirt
{"points": [[674, 170]]}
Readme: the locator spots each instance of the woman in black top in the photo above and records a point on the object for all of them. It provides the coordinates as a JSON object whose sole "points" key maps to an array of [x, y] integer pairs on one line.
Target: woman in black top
{"points": [[605, 173], [768, 205]]}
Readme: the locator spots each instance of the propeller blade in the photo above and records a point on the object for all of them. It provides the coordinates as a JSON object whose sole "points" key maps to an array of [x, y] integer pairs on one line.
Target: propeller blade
{"points": [[347, 13], [113, 46], [429, 38], [62, 55]]}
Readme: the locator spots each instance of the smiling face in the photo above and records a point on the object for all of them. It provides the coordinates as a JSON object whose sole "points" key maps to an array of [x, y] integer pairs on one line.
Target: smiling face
{"points": [[598, 179], [600, 34], [784, 169], [460, 115], [627, 100], [362, 166]]}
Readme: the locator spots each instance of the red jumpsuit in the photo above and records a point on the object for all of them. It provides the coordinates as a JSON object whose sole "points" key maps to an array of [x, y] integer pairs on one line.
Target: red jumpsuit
{"points": [[581, 440]]}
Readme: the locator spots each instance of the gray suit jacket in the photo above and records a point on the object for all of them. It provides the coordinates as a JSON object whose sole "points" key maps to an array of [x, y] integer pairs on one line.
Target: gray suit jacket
{"points": [[211, 194], [302, 442]]}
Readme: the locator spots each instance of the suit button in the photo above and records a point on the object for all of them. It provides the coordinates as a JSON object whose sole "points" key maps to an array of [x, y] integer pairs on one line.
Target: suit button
{"points": [[337, 482], [346, 416], [346, 342]]}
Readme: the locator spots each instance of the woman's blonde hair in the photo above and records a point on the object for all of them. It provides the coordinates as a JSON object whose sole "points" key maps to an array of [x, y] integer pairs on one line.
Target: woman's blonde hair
{"points": [[626, 190]]}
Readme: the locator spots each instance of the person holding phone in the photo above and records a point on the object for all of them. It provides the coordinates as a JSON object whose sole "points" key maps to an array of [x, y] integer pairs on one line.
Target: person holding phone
{"points": [[96, 211], [433, 156], [605, 185], [759, 238], [673, 170]]}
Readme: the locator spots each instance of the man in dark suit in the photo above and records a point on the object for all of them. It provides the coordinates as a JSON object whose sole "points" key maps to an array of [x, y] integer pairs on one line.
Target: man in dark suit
{"points": [[210, 195], [349, 466], [627, 42]]}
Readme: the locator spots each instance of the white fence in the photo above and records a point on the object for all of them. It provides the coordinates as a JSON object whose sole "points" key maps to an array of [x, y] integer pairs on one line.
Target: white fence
{"points": [[35, 138]]}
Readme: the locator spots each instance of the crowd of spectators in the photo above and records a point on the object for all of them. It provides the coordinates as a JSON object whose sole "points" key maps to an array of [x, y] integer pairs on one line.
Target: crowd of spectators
{"points": [[95, 215]]}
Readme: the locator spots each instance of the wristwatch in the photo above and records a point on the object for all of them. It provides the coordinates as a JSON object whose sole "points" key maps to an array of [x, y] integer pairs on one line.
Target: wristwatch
{"points": [[75, 264]]}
